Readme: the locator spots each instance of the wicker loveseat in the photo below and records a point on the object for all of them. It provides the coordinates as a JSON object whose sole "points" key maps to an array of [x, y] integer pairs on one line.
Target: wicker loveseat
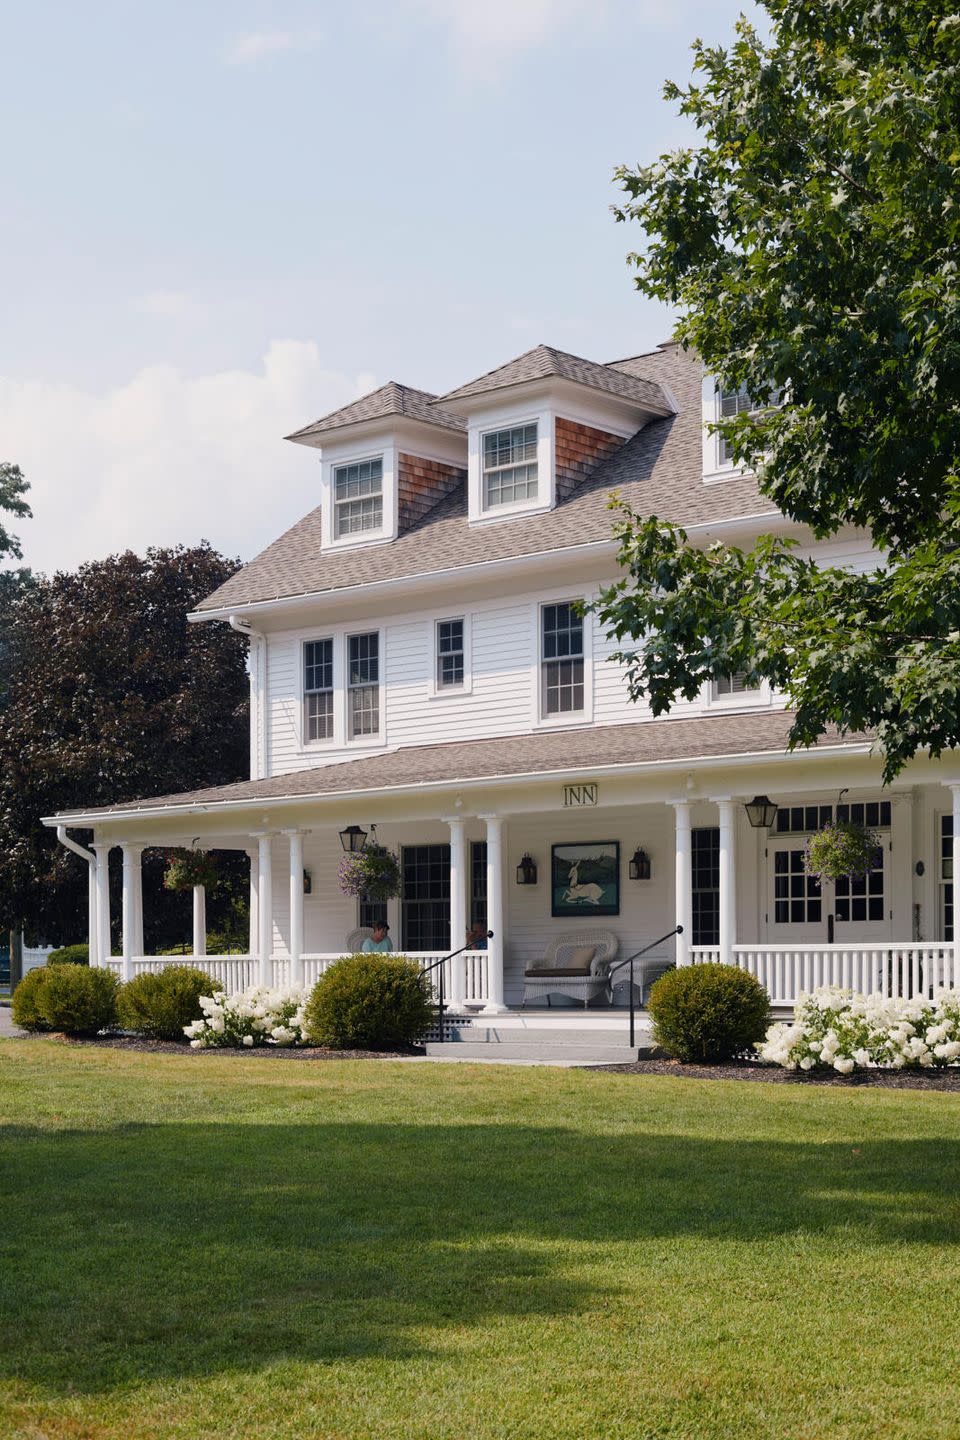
{"points": [[356, 938], [562, 972]]}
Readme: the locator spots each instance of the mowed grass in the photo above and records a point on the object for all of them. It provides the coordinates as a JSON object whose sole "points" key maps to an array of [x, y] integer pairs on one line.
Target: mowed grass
{"points": [[221, 1246]]}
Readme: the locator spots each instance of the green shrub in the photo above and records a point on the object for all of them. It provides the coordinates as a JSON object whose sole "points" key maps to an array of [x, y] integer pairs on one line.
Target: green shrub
{"points": [[78, 999], [160, 1005], [26, 1000], [70, 955], [369, 1002], [708, 1012]]}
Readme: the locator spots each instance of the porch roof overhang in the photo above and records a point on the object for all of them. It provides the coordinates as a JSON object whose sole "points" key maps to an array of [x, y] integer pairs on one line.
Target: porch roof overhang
{"points": [[734, 741]]}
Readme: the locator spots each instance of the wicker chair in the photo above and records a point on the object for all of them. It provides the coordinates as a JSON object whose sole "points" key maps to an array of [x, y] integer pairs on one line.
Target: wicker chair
{"points": [[356, 938], [553, 975]]}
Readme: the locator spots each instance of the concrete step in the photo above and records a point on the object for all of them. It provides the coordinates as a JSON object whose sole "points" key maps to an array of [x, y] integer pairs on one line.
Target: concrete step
{"points": [[573, 1046]]}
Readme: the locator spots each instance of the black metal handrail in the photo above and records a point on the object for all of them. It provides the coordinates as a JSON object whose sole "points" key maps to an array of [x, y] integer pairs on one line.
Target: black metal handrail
{"points": [[677, 930], [438, 965]]}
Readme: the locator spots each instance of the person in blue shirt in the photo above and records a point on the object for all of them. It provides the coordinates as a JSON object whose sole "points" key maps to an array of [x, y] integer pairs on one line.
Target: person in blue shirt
{"points": [[379, 943]]}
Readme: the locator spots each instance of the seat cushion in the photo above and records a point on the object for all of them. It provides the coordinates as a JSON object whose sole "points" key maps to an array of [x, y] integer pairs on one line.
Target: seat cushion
{"points": [[557, 972]]}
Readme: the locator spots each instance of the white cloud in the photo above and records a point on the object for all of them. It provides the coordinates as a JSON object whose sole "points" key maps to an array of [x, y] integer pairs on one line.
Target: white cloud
{"points": [[169, 457], [253, 45]]}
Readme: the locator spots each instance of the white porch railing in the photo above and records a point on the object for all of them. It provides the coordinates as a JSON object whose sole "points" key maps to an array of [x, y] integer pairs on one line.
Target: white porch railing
{"points": [[895, 971], [239, 972]]}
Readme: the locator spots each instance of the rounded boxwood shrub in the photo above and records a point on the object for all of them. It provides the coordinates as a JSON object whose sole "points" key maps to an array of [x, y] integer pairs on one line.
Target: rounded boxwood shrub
{"points": [[26, 997], [159, 1005], [70, 955], [708, 1012], [369, 1002], [78, 999]]}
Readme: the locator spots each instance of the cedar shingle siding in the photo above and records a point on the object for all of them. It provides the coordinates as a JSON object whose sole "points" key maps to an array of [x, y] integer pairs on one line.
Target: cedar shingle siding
{"points": [[421, 484], [579, 449]]}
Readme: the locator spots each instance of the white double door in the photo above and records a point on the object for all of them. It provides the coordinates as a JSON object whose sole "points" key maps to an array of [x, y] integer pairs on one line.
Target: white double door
{"points": [[800, 910]]}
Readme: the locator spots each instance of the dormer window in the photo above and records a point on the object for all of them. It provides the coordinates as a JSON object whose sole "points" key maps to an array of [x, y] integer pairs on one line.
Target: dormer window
{"points": [[732, 402], [510, 466], [358, 497]]}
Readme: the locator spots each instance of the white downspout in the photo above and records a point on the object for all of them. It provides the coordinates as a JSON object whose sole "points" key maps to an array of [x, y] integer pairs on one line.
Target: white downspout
{"points": [[91, 860], [258, 686]]}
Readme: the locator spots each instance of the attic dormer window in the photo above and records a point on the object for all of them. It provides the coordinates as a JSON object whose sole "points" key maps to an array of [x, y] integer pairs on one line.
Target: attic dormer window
{"points": [[358, 497], [510, 465]]}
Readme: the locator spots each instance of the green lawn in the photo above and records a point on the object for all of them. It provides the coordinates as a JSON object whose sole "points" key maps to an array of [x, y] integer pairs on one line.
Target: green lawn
{"points": [[219, 1246]]}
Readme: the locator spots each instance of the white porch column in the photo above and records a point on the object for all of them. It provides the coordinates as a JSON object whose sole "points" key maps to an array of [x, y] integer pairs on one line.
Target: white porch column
{"points": [[684, 899], [728, 880], [458, 905], [138, 941], [296, 906], [199, 920], [955, 792], [253, 941], [102, 851], [131, 858], [265, 907], [495, 910], [92, 936]]}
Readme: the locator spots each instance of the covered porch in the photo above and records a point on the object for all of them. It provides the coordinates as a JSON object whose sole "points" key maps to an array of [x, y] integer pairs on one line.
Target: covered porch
{"points": [[483, 840]]}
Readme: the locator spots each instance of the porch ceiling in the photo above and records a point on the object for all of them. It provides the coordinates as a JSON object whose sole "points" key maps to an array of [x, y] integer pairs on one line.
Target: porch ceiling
{"points": [[598, 749]]}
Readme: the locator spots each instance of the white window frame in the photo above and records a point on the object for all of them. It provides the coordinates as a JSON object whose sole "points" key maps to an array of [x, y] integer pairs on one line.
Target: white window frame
{"points": [[566, 719], [715, 468], [318, 740], [341, 738], [510, 418], [368, 736], [759, 697], [525, 501], [436, 691], [335, 458], [354, 536]]}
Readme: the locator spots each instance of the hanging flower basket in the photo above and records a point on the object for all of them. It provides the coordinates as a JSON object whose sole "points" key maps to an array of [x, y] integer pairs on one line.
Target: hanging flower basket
{"points": [[370, 874], [187, 868], [839, 850]]}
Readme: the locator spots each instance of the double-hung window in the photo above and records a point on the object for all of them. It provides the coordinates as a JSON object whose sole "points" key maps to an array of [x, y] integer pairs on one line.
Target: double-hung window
{"points": [[509, 465], [318, 689], [450, 655], [363, 684], [561, 664], [735, 684], [358, 497], [739, 402]]}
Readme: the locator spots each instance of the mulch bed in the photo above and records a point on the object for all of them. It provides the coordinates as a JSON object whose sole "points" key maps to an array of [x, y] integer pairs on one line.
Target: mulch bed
{"points": [[774, 1075], [273, 1052]]}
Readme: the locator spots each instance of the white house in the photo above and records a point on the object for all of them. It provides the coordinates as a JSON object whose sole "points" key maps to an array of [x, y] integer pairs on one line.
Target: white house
{"points": [[418, 663]]}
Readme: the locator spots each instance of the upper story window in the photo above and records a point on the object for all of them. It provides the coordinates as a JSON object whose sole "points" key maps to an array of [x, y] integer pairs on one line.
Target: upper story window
{"points": [[509, 465], [735, 684], [318, 689], [732, 402], [358, 497], [363, 684], [561, 664], [450, 654]]}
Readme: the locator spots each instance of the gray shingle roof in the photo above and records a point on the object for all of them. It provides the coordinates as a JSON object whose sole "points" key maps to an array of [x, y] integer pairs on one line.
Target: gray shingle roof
{"points": [[658, 471], [391, 399], [543, 361], [580, 751]]}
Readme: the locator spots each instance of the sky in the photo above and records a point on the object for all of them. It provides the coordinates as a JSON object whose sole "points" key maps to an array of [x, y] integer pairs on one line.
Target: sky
{"points": [[220, 221]]}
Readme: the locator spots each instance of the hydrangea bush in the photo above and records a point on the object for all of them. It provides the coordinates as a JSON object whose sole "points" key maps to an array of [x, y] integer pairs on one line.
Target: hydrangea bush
{"points": [[257, 1016], [837, 1029]]}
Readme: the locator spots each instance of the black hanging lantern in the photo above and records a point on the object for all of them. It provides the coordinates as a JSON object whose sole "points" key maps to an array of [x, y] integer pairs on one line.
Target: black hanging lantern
{"points": [[639, 867], [353, 839], [527, 871], [761, 812]]}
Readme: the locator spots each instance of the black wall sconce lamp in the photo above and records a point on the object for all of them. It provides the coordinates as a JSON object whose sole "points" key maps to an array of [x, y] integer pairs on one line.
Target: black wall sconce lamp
{"points": [[639, 867], [307, 883], [761, 812], [353, 839], [527, 871]]}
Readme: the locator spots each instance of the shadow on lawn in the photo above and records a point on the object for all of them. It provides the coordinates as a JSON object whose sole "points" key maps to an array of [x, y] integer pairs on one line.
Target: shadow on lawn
{"points": [[155, 1251]]}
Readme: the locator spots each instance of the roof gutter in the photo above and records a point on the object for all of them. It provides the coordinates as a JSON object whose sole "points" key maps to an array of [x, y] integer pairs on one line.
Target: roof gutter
{"points": [[399, 583], [461, 782]]}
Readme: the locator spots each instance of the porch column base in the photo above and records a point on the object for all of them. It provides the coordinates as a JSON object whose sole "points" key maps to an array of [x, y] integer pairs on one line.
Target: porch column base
{"points": [[494, 1007]]}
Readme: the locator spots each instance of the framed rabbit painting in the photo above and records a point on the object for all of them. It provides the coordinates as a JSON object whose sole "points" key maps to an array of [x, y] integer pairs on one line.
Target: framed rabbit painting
{"points": [[585, 879]]}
